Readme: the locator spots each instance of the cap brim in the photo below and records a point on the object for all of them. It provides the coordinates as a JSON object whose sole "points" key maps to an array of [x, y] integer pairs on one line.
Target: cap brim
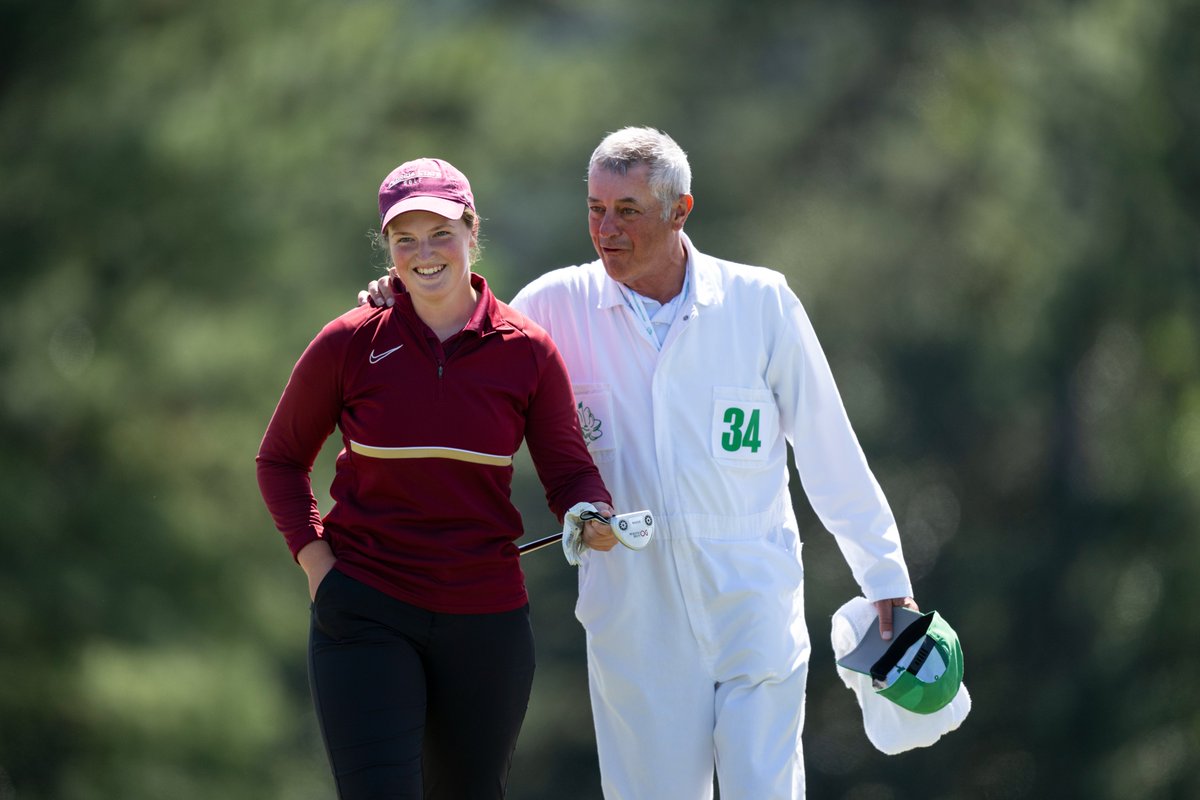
{"points": [[872, 646], [446, 208]]}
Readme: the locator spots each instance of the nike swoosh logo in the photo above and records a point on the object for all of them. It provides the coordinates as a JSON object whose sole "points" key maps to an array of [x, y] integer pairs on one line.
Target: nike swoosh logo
{"points": [[375, 359]]}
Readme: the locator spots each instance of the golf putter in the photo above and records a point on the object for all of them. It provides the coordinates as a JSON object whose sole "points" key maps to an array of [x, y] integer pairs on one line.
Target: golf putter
{"points": [[634, 530]]}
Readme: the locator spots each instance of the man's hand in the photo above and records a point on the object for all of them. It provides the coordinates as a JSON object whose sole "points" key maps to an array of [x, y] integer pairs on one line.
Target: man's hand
{"points": [[884, 609], [378, 293], [597, 535]]}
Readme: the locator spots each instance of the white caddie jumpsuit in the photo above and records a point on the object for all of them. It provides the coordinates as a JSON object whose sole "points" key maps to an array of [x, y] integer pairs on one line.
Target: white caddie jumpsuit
{"points": [[697, 646]]}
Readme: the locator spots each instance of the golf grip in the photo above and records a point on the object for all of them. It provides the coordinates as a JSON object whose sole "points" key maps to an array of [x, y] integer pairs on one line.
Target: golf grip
{"points": [[538, 544]]}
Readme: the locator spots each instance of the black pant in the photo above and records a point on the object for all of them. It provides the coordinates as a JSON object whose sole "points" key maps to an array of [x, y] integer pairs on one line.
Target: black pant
{"points": [[412, 703]]}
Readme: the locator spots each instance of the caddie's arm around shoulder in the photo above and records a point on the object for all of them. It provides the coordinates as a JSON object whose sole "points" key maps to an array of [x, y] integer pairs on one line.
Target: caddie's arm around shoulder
{"points": [[379, 293]]}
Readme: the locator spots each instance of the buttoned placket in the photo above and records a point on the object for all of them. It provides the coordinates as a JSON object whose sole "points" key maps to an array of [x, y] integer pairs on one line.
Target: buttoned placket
{"points": [[663, 398]]}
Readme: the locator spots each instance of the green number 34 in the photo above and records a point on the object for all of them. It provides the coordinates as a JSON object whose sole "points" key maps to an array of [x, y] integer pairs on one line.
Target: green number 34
{"points": [[737, 438]]}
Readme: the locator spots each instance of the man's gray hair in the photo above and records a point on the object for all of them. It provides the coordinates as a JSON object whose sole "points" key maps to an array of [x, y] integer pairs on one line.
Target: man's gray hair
{"points": [[670, 175]]}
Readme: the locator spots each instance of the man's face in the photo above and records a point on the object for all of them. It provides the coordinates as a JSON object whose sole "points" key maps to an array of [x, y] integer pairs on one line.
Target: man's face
{"points": [[625, 220]]}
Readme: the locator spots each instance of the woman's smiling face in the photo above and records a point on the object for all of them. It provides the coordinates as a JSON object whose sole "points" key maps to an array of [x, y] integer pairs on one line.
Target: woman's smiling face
{"points": [[431, 255]]}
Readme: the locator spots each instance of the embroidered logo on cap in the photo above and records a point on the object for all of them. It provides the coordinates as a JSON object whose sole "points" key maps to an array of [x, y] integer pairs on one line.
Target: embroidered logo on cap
{"points": [[412, 176]]}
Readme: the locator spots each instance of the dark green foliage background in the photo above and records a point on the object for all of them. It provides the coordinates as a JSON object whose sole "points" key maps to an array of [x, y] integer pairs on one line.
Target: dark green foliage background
{"points": [[990, 211]]}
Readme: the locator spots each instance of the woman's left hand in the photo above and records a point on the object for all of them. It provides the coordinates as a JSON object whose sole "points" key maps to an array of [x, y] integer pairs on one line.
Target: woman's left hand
{"points": [[597, 535]]}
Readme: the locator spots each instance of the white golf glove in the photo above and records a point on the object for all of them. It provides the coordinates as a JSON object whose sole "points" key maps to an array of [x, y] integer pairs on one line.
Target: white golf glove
{"points": [[572, 538]]}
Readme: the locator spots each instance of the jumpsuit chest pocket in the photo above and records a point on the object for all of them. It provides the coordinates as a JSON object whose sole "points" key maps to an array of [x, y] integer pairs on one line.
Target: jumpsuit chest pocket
{"points": [[594, 405], [745, 424]]}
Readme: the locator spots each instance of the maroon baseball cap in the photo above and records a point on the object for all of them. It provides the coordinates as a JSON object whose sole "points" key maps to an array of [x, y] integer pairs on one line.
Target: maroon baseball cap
{"points": [[424, 184]]}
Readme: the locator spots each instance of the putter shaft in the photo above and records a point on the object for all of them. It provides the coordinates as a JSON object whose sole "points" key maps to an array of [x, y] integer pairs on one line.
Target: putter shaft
{"points": [[538, 544]]}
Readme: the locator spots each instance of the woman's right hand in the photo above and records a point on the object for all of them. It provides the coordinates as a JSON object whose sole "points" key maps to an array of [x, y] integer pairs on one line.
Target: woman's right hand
{"points": [[316, 559]]}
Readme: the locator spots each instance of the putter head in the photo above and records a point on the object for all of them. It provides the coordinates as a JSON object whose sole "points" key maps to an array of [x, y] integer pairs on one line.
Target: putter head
{"points": [[634, 530]]}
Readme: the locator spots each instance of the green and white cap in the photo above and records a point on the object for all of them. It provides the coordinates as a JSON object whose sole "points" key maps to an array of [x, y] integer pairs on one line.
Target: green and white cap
{"points": [[920, 668], [909, 687]]}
